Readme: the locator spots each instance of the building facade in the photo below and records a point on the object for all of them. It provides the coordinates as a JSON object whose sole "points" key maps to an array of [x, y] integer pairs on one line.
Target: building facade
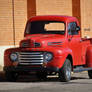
{"points": [[15, 13]]}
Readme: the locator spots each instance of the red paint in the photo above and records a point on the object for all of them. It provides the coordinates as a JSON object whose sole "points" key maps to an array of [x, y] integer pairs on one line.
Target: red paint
{"points": [[72, 45], [89, 56]]}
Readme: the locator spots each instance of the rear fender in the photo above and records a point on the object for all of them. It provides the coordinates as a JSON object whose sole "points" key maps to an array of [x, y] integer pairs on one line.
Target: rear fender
{"points": [[89, 56]]}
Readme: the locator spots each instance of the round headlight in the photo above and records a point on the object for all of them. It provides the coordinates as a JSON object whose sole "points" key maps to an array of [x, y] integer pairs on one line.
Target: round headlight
{"points": [[14, 56], [48, 57]]}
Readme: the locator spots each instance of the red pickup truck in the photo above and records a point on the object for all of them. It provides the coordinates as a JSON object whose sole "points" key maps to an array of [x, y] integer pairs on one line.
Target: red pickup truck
{"points": [[51, 44]]}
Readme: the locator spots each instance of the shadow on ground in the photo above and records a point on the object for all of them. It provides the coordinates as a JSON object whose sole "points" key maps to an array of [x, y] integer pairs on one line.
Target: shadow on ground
{"points": [[33, 78]]}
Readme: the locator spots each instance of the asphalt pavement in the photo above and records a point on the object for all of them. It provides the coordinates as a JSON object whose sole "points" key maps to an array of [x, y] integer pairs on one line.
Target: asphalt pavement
{"points": [[27, 83]]}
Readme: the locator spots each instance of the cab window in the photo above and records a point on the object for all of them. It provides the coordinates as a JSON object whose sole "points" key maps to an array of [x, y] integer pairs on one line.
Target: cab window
{"points": [[72, 28]]}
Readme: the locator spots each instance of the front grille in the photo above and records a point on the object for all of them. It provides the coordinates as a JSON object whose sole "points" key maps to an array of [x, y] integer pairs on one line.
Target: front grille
{"points": [[31, 58]]}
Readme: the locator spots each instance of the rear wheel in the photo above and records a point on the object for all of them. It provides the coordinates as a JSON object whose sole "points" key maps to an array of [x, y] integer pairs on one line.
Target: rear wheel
{"points": [[11, 76], [65, 71], [90, 74]]}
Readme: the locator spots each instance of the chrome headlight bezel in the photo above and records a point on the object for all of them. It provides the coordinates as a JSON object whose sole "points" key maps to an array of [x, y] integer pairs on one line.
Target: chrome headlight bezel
{"points": [[48, 56], [14, 56]]}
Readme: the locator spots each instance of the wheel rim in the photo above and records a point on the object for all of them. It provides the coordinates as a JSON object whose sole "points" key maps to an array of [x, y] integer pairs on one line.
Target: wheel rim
{"points": [[68, 71]]}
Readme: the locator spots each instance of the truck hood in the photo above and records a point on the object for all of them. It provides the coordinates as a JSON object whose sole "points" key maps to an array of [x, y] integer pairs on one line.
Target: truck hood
{"points": [[44, 39]]}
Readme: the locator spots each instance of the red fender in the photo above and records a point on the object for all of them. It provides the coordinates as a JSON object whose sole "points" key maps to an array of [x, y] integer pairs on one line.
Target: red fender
{"points": [[60, 57], [89, 56]]}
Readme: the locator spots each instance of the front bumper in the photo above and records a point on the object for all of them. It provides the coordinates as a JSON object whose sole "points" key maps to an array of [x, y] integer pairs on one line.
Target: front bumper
{"points": [[30, 69]]}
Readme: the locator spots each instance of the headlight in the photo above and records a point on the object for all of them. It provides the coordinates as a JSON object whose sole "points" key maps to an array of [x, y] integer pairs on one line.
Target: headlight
{"points": [[14, 56], [48, 57]]}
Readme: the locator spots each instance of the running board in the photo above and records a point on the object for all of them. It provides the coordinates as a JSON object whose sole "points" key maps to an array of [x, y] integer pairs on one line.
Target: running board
{"points": [[81, 69]]}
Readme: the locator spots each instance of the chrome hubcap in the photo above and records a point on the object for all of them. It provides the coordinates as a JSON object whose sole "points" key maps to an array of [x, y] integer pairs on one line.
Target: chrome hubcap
{"points": [[68, 71]]}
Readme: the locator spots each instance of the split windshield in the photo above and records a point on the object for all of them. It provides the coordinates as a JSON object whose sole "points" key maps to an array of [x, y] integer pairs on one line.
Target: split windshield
{"points": [[45, 27]]}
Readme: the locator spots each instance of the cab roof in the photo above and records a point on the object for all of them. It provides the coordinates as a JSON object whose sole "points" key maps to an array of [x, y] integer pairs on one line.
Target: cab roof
{"points": [[54, 18]]}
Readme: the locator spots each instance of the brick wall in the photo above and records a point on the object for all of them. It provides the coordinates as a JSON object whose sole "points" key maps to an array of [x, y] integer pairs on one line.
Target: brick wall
{"points": [[10, 16], [54, 7], [20, 17], [6, 23], [86, 17], [24, 9]]}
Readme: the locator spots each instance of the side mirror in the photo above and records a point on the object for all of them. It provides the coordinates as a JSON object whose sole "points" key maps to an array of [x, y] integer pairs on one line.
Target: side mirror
{"points": [[77, 28]]}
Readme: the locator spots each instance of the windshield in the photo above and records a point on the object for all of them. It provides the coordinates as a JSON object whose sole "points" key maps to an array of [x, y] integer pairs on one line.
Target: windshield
{"points": [[45, 27]]}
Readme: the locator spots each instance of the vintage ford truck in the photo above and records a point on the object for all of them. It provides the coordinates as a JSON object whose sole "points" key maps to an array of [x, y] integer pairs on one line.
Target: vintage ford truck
{"points": [[51, 44]]}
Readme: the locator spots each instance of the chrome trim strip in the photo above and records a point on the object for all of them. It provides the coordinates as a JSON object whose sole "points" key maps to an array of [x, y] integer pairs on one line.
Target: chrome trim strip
{"points": [[54, 43], [31, 63]]}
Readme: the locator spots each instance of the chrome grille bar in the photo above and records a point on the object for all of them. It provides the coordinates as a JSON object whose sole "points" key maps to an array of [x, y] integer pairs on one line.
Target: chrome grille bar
{"points": [[31, 55], [31, 58], [25, 53], [31, 63]]}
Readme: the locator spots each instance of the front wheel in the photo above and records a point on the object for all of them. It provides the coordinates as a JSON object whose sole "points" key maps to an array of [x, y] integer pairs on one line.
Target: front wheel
{"points": [[90, 74], [65, 71]]}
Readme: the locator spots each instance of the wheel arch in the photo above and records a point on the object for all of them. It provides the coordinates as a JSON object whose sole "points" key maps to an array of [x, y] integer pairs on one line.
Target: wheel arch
{"points": [[71, 59]]}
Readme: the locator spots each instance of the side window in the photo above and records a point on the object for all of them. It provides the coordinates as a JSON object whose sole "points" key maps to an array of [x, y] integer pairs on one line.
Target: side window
{"points": [[72, 28]]}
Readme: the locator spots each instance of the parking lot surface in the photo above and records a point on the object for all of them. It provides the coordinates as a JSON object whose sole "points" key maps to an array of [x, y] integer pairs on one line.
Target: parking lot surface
{"points": [[79, 83]]}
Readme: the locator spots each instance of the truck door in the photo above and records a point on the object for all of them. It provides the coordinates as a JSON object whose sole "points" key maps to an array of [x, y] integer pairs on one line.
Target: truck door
{"points": [[74, 42]]}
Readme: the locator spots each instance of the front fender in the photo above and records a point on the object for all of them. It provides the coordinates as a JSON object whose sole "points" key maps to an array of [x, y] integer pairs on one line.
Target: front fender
{"points": [[60, 56], [7, 61]]}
